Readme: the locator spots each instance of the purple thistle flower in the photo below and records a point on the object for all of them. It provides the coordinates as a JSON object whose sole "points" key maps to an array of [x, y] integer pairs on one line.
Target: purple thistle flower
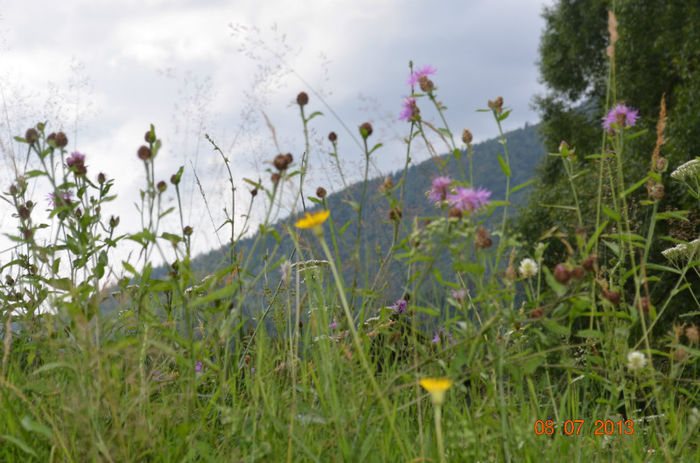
{"points": [[469, 199], [75, 158], [333, 325], [51, 198], [437, 338], [440, 189], [420, 72], [198, 367], [407, 109], [399, 306], [622, 116]]}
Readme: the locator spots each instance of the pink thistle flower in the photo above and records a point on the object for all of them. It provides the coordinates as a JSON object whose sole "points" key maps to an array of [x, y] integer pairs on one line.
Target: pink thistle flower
{"points": [[622, 116], [407, 111], [420, 72], [198, 367], [75, 158], [459, 295], [333, 325], [469, 199], [441, 186]]}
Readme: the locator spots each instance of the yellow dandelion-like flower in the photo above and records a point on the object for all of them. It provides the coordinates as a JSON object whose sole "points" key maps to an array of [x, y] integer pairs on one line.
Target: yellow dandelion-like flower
{"points": [[313, 221], [436, 387]]}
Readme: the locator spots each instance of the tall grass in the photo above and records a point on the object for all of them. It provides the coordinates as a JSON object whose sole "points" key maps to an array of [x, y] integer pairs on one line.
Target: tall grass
{"points": [[541, 362]]}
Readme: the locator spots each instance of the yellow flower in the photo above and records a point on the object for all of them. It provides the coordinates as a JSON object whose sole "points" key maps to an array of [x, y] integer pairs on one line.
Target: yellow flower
{"points": [[313, 221], [436, 387]]}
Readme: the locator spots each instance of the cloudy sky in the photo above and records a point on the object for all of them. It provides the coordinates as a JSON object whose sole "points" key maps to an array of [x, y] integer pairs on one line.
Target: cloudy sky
{"points": [[102, 71]]}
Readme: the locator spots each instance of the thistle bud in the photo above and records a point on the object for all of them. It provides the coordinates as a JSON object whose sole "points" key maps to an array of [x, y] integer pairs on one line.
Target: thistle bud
{"points": [[302, 99], [589, 262], [31, 135], [161, 186], [455, 212], [426, 84], [482, 239], [657, 192], [113, 222], [61, 140], [612, 296], [289, 158], [332, 137], [174, 179], [467, 137], [536, 313], [144, 153], [395, 214], [577, 272], [366, 130], [321, 192], [254, 192], [643, 304], [149, 137], [275, 178], [562, 274], [187, 231], [280, 162], [101, 178]]}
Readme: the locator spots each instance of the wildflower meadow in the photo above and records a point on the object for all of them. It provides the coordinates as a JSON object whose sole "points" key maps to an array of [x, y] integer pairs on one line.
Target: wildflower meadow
{"points": [[460, 341]]}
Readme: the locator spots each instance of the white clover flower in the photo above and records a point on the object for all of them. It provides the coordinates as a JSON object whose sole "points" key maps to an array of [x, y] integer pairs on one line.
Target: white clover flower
{"points": [[694, 417], [687, 171], [636, 360], [528, 268]]}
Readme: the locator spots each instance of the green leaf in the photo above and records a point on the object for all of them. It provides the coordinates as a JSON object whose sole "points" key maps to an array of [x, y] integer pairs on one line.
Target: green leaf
{"points": [[19, 443], [314, 114], [531, 364], [590, 334], [521, 186], [171, 237], [33, 426], [558, 288], [635, 186], [595, 236], [555, 328], [504, 167], [610, 213]]}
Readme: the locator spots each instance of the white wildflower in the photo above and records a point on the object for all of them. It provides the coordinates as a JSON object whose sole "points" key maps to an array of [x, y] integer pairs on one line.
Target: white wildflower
{"points": [[286, 269], [636, 360], [528, 268], [694, 417], [687, 171]]}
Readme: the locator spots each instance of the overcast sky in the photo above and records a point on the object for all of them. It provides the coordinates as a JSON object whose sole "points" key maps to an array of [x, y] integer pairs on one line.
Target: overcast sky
{"points": [[103, 71]]}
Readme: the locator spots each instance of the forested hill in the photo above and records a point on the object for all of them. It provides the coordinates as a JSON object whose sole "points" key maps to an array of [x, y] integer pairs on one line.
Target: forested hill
{"points": [[525, 151]]}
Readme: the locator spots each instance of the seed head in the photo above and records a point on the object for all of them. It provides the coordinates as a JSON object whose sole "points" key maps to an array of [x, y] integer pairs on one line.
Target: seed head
{"points": [[289, 158], [387, 185], [23, 211], [302, 99], [536, 313], [61, 140], [643, 304], [366, 130], [496, 105], [692, 334], [482, 239], [144, 153], [321, 192], [455, 212], [275, 178], [395, 214]]}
